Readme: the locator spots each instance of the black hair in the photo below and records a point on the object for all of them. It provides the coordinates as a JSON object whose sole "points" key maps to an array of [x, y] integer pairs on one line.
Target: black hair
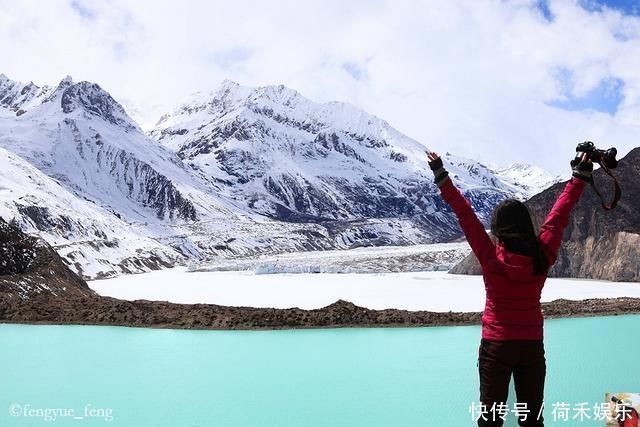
{"points": [[511, 224]]}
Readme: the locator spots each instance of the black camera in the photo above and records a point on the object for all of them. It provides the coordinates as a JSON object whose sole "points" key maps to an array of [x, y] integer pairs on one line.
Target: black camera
{"points": [[607, 160], [596, 155]]}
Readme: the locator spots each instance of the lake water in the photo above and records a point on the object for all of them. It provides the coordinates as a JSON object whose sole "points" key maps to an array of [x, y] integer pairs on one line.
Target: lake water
{"points": [[370, 377]]}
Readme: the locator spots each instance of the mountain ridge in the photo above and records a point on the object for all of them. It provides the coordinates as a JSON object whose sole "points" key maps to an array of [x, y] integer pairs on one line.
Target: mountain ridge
{"points": [[249, 171], [239, 127]]}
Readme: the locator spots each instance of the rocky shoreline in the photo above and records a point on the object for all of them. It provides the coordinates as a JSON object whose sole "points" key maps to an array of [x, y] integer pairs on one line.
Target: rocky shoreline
{"points": [[96, 310]]}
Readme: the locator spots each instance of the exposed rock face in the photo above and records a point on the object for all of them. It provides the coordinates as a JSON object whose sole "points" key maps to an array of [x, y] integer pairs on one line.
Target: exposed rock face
{"points": [[29, 267], [94, 100], [93, 241], [598, 244]]}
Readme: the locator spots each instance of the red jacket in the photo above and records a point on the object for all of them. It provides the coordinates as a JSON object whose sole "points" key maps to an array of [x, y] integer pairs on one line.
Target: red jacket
{"points": [[512, 309]]}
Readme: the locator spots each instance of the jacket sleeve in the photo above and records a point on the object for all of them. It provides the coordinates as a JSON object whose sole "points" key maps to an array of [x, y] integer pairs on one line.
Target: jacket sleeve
{"points": [[478, 239], [552, 230]]}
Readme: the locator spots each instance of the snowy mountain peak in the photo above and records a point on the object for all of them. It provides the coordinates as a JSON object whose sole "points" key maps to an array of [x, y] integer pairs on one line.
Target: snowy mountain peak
{"points": [[521, 166], [531, 179], [244, 112], [90, 97], [274, 92], [18, 98], [279, 94], [232, 101], [81, 136], [65, 82], [283, 155], [84, 97], [228, 84]]}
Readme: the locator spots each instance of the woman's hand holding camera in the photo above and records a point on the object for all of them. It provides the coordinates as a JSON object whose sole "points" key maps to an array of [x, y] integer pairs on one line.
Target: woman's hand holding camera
{"points": [[583, 169]]}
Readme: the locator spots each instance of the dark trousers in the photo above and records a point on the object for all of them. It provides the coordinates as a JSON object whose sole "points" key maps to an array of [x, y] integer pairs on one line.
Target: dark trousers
{"points": [[497, 361]]}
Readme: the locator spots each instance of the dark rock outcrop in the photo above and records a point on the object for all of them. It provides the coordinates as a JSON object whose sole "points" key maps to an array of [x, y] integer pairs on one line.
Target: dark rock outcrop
{"points": [[29, 267], [96, 101], [598, 244]]}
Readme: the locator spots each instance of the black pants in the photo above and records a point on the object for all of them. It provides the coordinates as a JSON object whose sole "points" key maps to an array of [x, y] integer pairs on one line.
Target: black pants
{"points": [[497, 361]]}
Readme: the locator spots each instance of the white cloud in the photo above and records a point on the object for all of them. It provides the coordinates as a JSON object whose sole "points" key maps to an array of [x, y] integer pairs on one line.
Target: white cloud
{"points": [[471, 77]]}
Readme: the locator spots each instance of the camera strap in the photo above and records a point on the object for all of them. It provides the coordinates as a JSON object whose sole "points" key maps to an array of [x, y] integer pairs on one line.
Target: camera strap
{"points": [[617, 193]]}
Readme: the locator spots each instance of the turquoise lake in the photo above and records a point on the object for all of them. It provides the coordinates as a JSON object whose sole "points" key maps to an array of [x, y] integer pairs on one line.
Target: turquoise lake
{"points": [[323, 377]]}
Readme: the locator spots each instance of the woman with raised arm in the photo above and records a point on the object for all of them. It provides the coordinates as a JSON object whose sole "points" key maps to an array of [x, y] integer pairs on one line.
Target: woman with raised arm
{"points": [[514, 269]]}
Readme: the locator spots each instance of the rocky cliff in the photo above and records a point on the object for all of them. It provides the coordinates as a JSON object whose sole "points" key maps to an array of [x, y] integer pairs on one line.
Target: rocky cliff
{"points": [[30, 267], [598, 244]]}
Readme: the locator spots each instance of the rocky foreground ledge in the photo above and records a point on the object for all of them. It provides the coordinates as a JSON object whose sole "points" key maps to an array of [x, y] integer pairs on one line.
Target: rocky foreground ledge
{"points": [[46, 309]]}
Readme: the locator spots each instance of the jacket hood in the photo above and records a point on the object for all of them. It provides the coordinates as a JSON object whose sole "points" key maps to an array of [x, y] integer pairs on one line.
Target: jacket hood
{"points": [[517, 267]]}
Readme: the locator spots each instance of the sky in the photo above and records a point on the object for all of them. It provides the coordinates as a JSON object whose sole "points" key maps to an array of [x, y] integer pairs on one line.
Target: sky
{"points": [[500, 81]]}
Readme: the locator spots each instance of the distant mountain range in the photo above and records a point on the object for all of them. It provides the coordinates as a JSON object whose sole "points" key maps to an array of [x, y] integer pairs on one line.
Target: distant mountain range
{"points": [[235, 172]]}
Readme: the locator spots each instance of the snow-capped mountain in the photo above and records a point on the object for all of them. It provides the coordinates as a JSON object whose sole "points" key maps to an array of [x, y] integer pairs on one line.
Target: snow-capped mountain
{"points": [[235, 172], [121, 184], [527, 178], [287, 157], [82, 137], [17, 97], [522, 180]]}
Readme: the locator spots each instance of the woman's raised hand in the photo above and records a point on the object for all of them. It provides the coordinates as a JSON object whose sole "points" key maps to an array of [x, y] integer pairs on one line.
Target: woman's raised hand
{"points": [[583, 169], [436, 165], [434, 160]]}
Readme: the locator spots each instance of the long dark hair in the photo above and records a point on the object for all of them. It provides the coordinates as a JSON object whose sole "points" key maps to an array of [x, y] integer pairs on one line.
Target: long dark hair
{"points": [[511, 224]]}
